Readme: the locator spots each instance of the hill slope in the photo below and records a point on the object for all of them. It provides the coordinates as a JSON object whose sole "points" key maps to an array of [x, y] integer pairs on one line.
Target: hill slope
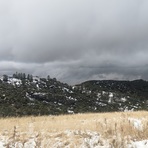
{"points": [[44, 96]]}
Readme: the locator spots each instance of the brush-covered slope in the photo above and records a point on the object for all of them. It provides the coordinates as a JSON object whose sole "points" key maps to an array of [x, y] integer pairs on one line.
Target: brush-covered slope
{"points": [[30, 95], [125, 95]]}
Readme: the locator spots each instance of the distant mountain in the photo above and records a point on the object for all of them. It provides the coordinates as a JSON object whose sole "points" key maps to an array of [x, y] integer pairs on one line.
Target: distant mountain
{"points": [[22, 95]]}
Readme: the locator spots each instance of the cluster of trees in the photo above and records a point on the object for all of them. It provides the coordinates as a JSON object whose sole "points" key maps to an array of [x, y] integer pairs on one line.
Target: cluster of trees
{"points": [[21, 76]]}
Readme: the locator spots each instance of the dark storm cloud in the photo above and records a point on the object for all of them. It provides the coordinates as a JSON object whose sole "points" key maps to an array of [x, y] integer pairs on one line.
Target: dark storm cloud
{"points": [[75, 40]]}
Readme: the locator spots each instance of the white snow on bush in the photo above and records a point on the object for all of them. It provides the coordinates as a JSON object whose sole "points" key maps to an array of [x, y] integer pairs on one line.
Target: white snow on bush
{"points": [[137, 123], [139, 144]]}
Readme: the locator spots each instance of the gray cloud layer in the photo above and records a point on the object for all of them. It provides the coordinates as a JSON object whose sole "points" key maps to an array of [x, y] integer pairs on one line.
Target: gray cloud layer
{"points": [[75, 40]]}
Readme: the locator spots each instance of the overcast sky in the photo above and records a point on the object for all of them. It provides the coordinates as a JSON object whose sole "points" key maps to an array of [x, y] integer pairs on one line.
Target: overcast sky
{"points": [[75, 40]]}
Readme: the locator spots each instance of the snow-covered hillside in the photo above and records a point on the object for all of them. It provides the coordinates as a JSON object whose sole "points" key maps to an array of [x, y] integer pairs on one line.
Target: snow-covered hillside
{"points": [[32, 95]]}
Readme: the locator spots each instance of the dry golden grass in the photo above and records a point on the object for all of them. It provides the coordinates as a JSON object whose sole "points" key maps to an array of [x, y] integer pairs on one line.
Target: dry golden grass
{"points": [[116, 127]]}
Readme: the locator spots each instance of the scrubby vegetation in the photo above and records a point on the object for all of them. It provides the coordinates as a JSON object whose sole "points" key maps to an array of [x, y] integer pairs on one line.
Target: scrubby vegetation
{"points": [[23, 94]]}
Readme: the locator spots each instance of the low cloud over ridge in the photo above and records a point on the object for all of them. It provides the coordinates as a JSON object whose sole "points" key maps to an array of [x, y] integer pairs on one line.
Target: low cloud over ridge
{"points": [[75, 40]]}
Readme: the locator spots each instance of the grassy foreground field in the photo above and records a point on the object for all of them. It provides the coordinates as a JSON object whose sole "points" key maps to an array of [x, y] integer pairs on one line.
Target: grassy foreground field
{"points": [[100, 130]]}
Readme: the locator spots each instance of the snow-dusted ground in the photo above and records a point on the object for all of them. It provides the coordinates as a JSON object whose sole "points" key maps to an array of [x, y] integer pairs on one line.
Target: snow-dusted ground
{"points": [[138, 144], [71, 138], [68, 139], [108, 133], [137, 123]]}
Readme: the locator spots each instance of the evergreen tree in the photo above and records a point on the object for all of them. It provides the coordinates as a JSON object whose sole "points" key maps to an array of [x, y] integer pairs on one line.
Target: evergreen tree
{"points": [[30, 77], [15, 75], [48, 77], [19, 75], [23, 76], [5, 78]]}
